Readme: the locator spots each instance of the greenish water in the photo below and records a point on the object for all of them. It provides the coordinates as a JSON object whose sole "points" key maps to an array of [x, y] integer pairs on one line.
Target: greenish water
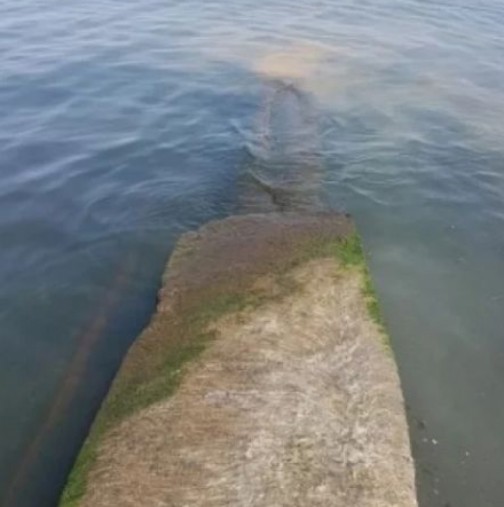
{"points": [[124, 124]]}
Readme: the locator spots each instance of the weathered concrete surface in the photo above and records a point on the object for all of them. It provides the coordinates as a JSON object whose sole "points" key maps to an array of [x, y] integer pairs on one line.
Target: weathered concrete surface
{"points": [[295, 402]]}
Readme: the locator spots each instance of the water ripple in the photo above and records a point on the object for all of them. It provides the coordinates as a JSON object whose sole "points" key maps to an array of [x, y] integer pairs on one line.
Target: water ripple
{"points": [[124, 123]]}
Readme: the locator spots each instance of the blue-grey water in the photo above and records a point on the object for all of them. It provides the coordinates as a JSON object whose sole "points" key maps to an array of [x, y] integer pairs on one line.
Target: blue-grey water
{"points": [[123, 124]]}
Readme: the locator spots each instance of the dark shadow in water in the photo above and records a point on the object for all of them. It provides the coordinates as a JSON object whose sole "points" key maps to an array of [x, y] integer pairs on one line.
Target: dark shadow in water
{"points": [[283, 169]]}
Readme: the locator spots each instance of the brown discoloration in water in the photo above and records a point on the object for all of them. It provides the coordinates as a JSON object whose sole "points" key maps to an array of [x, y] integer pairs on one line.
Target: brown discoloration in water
{"points": [[294, 403], [298, 62]]}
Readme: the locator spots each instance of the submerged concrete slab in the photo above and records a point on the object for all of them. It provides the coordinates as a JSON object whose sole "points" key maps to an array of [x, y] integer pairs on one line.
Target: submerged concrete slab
{"points": [[264, 379]]}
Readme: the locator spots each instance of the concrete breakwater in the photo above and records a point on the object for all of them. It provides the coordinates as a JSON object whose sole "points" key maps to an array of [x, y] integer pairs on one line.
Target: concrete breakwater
{"points": [[264, 378]]}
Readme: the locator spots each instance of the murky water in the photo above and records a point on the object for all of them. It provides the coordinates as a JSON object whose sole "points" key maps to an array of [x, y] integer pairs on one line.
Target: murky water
{"points": [[123, 124]]}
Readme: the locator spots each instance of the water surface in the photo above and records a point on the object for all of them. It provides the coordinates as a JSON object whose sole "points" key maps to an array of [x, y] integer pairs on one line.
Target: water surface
{"points": [[122, 124]]}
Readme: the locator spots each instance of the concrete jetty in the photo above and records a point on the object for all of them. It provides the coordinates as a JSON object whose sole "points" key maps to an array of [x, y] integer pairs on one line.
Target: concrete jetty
{"points": [[265, 378]]}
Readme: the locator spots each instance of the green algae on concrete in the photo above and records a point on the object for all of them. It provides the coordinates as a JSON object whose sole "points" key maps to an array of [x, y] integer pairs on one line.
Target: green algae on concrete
{"points": [[213, 272]]}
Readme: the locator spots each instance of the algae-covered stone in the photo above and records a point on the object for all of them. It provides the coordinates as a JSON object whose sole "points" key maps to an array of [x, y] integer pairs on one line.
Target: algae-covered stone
{"points": [[264, 379]]}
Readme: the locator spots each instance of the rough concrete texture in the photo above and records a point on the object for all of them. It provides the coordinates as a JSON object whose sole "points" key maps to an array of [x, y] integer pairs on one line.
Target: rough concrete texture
{"points": [[296, 402]]}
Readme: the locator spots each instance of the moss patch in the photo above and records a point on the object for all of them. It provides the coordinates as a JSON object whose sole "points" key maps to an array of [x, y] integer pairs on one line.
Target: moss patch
{"points": [[350, 252]]}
